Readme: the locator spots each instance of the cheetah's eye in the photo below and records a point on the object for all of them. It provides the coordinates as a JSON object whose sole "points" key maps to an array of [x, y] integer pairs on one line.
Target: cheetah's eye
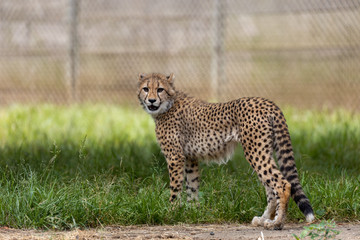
{"points": [[160, 90], [146, 89]]}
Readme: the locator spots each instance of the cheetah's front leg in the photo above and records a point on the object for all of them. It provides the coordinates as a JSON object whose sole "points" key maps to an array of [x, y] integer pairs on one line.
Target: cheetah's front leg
{"points": [[176, 174], [192, 180]]}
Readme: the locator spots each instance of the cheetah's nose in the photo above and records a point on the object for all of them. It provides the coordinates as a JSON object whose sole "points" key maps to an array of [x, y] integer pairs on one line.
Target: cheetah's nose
{"points": [[152, 100]]}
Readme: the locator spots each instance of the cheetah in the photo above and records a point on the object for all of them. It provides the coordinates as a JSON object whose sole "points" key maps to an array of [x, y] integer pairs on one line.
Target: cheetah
{"points": [[189, 130]]}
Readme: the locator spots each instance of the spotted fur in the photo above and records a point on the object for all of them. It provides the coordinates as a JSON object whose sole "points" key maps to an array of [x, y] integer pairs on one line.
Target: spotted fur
{"points": [[189, 130]]}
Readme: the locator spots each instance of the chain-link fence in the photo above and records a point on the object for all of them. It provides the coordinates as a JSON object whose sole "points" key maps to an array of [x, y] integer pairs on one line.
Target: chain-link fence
{"points": [[297, 52]]}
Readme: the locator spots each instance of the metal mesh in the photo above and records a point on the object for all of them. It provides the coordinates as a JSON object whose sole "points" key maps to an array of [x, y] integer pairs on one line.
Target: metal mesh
{"points": [[295, 52]]}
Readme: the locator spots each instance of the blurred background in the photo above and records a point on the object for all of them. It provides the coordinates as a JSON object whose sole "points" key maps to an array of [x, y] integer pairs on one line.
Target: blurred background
{"points": [[303, 53]]}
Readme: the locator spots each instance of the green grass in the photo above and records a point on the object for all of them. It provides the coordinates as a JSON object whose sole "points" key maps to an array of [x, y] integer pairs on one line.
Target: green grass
{"points": [[87, 166]]}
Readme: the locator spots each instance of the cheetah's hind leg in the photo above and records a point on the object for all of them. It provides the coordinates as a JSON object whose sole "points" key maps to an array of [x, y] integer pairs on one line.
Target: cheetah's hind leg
{"points": [[269, 213]]}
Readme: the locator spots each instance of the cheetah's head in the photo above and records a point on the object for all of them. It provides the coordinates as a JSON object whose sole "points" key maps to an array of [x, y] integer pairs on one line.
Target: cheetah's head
{"points": [[156, 92]]}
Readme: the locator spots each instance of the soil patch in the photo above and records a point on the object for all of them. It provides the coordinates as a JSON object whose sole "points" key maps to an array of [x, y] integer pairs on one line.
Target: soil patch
{"points": [[209, 231]]}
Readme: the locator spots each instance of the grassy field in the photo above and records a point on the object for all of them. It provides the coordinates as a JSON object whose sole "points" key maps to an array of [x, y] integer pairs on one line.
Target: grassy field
{"points": [[87, 166]]}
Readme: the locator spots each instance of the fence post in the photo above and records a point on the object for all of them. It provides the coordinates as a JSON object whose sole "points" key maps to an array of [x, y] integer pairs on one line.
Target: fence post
{"points": [[72, 62], [217, 58]]}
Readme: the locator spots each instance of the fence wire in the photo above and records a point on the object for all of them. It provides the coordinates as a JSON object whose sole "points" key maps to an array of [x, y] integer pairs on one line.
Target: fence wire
{"points": [[296, 52]]}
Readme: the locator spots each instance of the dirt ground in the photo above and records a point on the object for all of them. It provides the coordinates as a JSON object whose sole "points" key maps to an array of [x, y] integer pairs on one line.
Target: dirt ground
{"points": [[212, 231]]}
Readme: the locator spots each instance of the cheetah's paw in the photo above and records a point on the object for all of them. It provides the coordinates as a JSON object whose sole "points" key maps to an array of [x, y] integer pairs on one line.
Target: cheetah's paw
{"points": [[258, 221], [273, 225]]}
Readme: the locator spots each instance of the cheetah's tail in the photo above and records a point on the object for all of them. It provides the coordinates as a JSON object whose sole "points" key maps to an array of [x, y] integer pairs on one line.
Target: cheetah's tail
{"points": [[285, 157]]}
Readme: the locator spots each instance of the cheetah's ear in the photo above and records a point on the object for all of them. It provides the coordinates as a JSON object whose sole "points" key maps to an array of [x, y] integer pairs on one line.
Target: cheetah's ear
{"points": [[170, 78], [141, 76]]}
